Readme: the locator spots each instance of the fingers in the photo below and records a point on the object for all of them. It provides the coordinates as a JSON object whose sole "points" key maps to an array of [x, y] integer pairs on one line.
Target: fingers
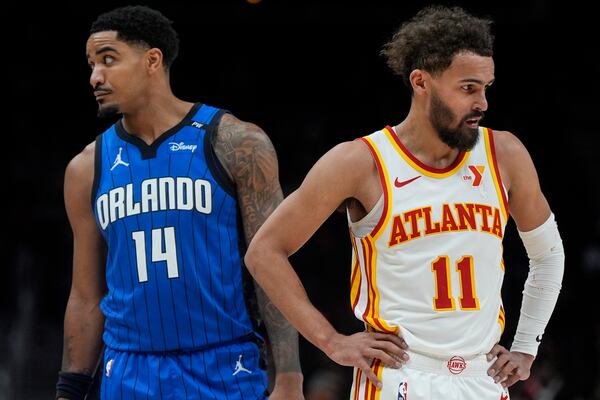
{"points": [[392, 345], [501, 368], [507, 380], [362, 348], [503, 373], [502, 357], [508, 369], [496, 351], [386, 358], [388, 337], [512, 379], [371, 376], [391, 349]]}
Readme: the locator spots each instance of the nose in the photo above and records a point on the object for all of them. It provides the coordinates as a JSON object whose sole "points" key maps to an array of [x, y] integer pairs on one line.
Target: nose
{"points": [[97, 77], [481, 104]]}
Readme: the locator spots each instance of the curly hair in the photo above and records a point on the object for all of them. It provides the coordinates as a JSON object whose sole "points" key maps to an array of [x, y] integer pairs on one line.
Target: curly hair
{"points": [[143, 26], [431, 39]]}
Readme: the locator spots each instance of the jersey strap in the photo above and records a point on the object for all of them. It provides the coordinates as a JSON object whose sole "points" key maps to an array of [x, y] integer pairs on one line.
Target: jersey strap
{"points": [[207, 115], [208, 118]]}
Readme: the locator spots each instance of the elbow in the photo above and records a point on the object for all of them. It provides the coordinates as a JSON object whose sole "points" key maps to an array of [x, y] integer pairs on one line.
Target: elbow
{"points": [[265, 255], [262, 257], [253, 257]]}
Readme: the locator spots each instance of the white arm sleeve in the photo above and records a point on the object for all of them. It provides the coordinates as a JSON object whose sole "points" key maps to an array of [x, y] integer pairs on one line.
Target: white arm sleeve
{"points": [[546, 267]]}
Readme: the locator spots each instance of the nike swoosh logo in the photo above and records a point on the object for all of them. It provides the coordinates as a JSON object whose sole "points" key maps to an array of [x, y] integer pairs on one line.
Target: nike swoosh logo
{"points": [[399, 184]]}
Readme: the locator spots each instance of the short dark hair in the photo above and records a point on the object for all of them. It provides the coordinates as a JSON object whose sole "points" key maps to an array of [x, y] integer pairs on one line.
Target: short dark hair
{"points": [[430, 40], [143, 26]]}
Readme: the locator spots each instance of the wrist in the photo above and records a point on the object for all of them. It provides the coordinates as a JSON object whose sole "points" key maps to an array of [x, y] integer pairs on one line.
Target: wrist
{"points": [[525, 344], [289, 380], [330, 343], [529, 357], [72, 385]]}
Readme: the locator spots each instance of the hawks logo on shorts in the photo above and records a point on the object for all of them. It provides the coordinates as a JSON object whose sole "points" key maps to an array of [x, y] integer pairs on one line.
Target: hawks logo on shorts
{"points": [[456, 365], [403, 391]]}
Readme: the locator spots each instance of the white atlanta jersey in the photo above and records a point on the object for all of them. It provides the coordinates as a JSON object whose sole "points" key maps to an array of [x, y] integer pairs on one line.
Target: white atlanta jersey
{"points": [[427, 260]]}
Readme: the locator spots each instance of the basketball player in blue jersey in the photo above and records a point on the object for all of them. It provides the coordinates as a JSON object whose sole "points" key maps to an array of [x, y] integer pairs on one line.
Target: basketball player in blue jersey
{"points": [[161, 205], [427, 202]]}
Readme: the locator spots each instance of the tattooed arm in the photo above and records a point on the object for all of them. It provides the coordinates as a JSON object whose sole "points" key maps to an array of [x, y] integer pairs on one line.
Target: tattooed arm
{"points": [[249, 157]]}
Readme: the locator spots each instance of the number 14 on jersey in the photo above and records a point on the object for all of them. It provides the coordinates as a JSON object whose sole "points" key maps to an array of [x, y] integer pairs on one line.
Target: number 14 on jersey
{"points": [[163, 249]]}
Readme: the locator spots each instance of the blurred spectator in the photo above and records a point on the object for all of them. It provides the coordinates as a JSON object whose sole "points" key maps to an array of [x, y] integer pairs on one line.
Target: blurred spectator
{"points": [[590, 257], [325, 384]]}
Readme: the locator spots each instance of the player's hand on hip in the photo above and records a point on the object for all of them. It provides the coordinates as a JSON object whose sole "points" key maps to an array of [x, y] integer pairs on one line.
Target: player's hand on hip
{"points": [[359, 350], [509, 367]]}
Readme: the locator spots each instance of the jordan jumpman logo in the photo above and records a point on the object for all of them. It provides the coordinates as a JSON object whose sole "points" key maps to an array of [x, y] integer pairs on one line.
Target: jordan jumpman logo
{"points": [[239, 367], [119, 160]]}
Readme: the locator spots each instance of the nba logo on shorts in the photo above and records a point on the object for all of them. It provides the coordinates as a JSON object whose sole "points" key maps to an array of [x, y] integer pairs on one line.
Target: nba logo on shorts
{"points": [[403, 391], [109, 365]]}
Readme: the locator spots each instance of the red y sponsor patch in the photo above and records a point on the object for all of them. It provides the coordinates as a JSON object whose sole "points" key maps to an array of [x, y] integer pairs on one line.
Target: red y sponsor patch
{"points": [[477, 171]]}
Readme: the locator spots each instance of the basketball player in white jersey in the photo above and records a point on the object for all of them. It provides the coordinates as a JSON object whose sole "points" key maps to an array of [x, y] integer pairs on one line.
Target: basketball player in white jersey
{"points": [[428, 201]]}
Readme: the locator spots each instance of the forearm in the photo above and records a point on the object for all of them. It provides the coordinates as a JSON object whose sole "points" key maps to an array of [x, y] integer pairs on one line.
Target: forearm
{"points": [[545, 250], [277, 278], [283, 337], [82, 336]]}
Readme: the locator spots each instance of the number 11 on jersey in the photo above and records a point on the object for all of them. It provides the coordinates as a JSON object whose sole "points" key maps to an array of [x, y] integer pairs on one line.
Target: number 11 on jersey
{"points": [[443, 300], [160, 252]]}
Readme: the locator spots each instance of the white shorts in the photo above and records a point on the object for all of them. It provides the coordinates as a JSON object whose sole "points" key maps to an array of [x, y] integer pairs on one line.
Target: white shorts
{"points": [[425, 378]]}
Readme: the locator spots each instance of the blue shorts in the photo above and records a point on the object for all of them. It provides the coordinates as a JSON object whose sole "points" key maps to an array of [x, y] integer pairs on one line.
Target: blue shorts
{"points": [[230, 372]]}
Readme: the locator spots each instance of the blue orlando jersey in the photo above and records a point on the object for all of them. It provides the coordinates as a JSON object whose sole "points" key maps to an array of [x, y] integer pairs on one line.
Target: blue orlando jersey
{"points": [[169, 216]]}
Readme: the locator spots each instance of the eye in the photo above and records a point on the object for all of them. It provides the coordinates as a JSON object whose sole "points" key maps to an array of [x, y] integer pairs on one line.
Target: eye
{"points": [[108, 60], [467, 88]]}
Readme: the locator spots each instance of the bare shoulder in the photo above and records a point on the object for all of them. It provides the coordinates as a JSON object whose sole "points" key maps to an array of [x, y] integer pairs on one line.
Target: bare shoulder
{"points": [[514, 160], [79, 179], [81, 167], [231, 125], [507, 144], [236, 142], [526, 202], [349, 171], [353, 156]]}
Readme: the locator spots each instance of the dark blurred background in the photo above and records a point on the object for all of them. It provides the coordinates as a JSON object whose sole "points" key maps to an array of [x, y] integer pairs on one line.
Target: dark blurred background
{"points": [[310, 74]]}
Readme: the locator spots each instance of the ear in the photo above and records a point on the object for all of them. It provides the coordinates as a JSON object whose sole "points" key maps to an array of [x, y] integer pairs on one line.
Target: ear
{"points": [[419, 80], [154, 60]]}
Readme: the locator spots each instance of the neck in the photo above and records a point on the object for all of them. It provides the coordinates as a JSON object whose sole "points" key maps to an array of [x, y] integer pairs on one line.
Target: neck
{"points": [[154, 115], [418, 135]]}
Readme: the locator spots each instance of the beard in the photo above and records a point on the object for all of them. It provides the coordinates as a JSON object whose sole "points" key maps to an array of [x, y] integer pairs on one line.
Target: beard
{"points": [[108, 111], [460, 137]]}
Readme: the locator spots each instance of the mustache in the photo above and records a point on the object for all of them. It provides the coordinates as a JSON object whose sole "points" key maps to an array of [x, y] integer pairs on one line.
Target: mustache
{"points": [[99, 87], [474, 114]]}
